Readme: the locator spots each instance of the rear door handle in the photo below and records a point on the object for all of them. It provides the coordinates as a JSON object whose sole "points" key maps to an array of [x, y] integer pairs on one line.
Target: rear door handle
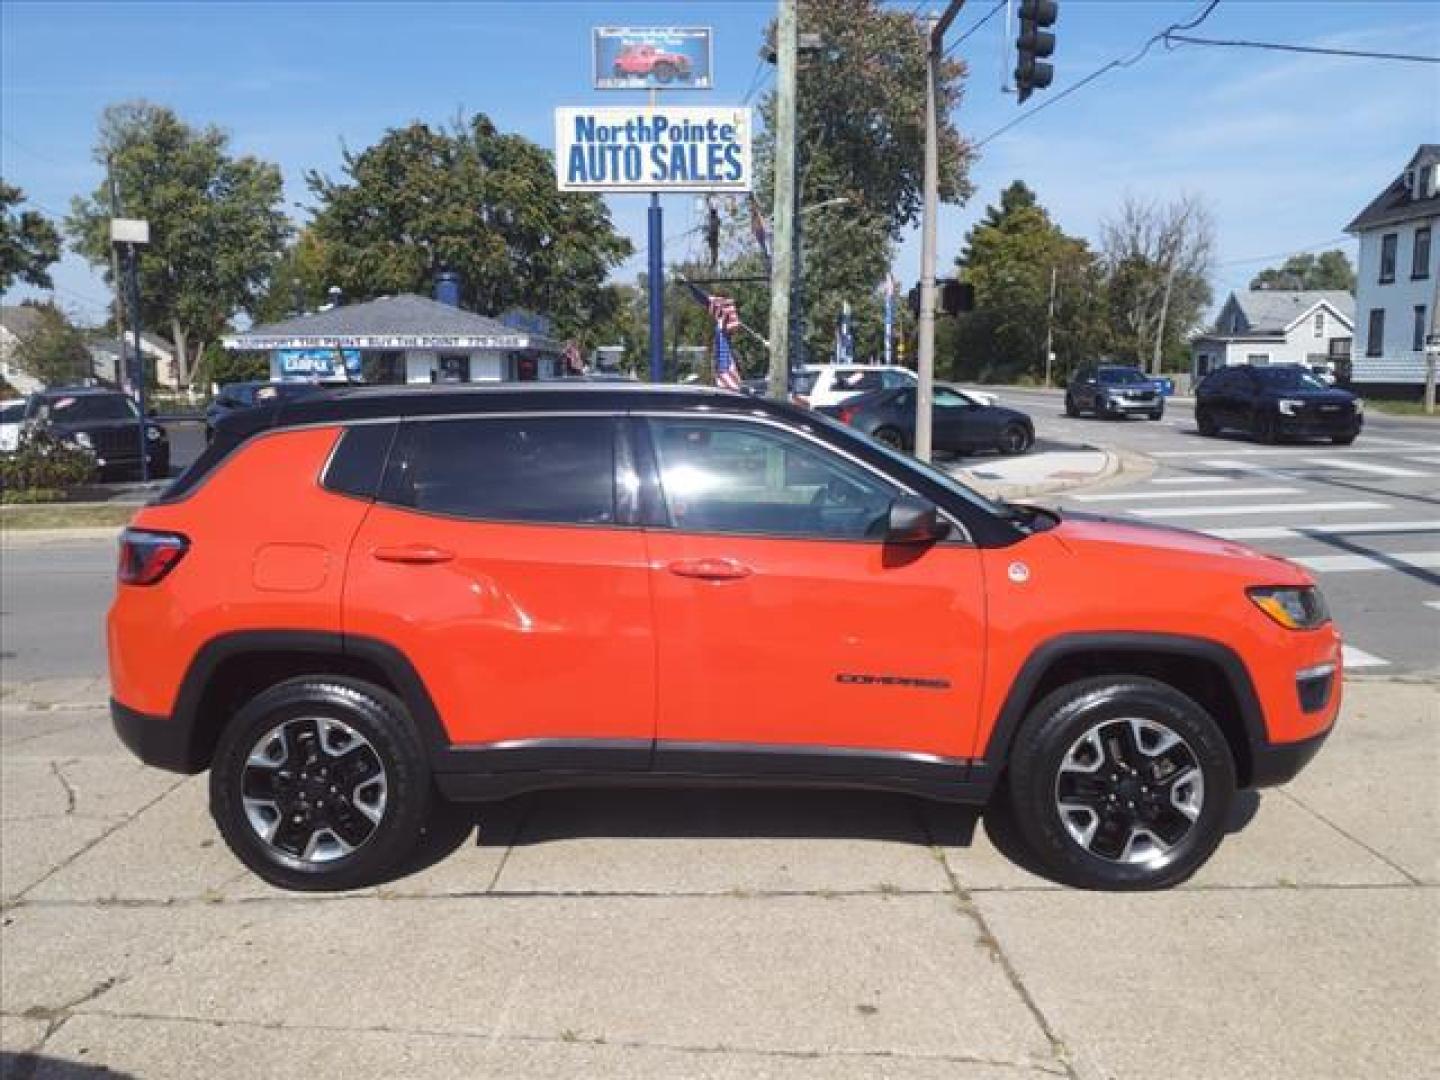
{"points": [[413, 554], [710, 569]]}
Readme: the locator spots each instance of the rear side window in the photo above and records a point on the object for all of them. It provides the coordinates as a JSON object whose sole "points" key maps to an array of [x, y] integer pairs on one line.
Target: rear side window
{"points": [[358, 463], [558, 469]]}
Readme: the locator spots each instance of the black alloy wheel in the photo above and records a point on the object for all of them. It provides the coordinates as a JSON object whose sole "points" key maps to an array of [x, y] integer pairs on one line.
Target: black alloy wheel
{"points": [[1121, 783], [1205, 422], [320, 783], [1071, 409], [1015, 439], [893, 438], [1267, 428]]}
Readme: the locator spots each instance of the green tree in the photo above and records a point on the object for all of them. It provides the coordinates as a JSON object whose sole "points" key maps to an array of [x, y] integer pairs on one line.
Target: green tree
{"points": [[216, 225], [55, 351], [1009, 256], [298, 282], [29, 242], [861, 138], [1328, 270], [473, 200]]}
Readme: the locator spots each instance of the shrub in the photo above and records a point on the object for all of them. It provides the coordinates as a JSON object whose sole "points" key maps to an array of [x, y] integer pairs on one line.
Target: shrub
{"points": [[43, 462]]}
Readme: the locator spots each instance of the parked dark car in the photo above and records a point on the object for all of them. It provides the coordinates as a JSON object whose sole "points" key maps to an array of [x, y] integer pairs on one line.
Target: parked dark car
{"points": [[1276, 401], [105, 422], [961, 424], [1110, 391], [245, 395]]}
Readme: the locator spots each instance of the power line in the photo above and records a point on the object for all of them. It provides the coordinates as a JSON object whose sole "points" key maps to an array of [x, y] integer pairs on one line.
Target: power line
{"points": [[755, 81], [981, 22], [1284, 254], [1128, 61], [1316, 49]]}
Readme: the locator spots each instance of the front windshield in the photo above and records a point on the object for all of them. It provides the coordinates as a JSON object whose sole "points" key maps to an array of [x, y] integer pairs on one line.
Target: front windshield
{"points": [[11, 412], [86, 408], [1288, 378], [930, 472], [1120, 376]]}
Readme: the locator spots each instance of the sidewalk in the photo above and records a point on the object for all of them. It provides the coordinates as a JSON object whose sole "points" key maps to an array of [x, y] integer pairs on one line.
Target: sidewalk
{"points": [[1047, 471], [717, 934]]}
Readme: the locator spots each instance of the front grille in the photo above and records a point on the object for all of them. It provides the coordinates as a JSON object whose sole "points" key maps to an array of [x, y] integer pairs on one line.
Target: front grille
{"points": [[116, 443]]}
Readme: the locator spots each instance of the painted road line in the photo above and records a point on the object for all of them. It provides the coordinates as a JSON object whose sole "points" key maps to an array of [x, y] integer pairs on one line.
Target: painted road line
{"points": [[1287, 451], [1192, 480], [1352, 657], [1302, 532], [1262, 508], [1349, 564], [1230, 465], [1433, 604], [1126, 496], [1388, 440], [1426, 459], [1363, 467]]}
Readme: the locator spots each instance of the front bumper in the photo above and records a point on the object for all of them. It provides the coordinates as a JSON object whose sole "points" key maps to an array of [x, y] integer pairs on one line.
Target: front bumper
{"points": [[1319, 426], [158, 741], [1126, 405], [1279, 763]]}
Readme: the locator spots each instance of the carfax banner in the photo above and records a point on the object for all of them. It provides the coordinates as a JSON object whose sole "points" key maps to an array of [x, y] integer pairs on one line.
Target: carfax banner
{"points": [[665, 148]]}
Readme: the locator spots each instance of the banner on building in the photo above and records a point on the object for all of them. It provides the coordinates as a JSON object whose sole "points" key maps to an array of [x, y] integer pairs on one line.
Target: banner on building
{"points": [[653, 58], [318, 362], [643, 148]]}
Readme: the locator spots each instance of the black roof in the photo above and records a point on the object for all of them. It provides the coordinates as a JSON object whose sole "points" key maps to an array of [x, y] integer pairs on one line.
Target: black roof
{"points": [[1397, 202], [349, 404]]}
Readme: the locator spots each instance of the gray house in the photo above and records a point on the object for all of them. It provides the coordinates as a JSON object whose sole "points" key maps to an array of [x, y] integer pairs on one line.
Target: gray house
{"points": [[1275, 326], [401, 339]]}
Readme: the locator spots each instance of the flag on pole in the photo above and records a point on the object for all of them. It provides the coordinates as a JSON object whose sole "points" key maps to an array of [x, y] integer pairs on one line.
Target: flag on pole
{"points": [[722, 310], [889, 318], [727, 372], [574, 361]]}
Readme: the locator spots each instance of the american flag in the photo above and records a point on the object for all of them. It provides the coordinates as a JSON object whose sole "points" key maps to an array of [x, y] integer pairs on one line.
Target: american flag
{"points": [[727, 372], [722, 310]]}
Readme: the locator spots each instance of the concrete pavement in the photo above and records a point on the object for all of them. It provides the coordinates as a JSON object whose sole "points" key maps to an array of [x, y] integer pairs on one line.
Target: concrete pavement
{"points": [[717, 934]]}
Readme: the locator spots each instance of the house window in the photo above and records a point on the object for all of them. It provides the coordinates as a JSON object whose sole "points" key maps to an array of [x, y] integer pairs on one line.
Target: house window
{"points": [[1258, 358], [1320, 324], [1375, 340], [1417, 334], [1388, 243], [1420, 255]]}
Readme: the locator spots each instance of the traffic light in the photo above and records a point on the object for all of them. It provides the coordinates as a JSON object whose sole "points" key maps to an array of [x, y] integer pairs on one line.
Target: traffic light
{"points": [[1034, 43]]}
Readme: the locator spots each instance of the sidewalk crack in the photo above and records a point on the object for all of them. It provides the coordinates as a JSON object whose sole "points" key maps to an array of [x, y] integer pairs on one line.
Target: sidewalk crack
{"points": [[57, 767], [1411, 878]]}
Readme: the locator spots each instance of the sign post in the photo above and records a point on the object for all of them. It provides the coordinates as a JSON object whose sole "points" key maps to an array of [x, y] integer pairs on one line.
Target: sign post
{"points": [[656, 239], [133, 232]]}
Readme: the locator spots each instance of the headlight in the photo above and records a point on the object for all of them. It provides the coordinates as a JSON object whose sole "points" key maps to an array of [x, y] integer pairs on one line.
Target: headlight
{"points": [[154, 434], [1359, 406], [1289, 406], [82, 439], [1294, 609]]}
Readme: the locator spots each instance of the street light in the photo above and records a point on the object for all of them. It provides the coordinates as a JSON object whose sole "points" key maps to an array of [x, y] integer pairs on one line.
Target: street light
{"points": [[131, 233]]}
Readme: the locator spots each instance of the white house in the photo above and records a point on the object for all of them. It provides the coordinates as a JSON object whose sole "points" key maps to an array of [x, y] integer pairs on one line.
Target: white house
{"points": [[16, 324], [1399, 275], [1277, 326]]}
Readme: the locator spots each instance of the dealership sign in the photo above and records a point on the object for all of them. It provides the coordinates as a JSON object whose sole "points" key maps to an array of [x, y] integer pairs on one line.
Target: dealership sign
{"points": [[653, 58], [664, 148], [318, 361]]}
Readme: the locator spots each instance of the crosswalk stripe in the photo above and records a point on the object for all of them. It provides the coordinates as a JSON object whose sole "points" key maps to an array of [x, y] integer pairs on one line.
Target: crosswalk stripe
{"points": [[1301, 532], [1387, 440], [1264, 508], [1344, 564], [1363, 467], [1191, 480], [1288, 451], [1352, 657], [1126, 496], [1433, 603], [1425, 459], [1250, 467]]}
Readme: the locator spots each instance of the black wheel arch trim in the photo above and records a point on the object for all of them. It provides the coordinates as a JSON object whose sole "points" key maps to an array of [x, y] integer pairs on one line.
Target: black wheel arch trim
{"points": [[1066, 646]]}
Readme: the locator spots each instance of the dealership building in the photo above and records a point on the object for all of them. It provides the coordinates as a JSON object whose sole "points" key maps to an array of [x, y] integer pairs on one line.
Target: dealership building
{"points": [[403, 339]]}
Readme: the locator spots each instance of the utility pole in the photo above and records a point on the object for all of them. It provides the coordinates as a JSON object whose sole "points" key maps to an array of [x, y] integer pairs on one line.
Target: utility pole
{"points": [[1050, 331], [1432, 349], [925, 392], [783, 264], [115, 271]]}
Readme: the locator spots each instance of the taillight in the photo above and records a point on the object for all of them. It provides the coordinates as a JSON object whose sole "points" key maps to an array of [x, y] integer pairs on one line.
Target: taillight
{"points": [[847, 415], [146, 557]]}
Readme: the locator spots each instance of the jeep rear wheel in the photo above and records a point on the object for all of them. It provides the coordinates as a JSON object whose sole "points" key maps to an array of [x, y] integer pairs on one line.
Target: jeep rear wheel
{"points": [[321, 783], [1120, 783]]}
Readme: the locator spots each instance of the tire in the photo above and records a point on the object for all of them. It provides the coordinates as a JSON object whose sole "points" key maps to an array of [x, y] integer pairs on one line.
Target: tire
{"points": [[350, 841], [1060, 755], [1266, 429], [1071, 409], [618, 71], [1158, 415], [1205, 423], [1344, 440], [893, 438], [1015, 439], [664, 72]]}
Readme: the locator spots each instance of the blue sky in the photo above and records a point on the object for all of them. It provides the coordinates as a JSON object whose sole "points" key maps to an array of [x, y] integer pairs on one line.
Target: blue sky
{"points": [[1285, 148]]}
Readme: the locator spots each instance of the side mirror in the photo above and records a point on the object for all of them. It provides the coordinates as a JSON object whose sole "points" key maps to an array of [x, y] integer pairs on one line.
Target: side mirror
{"points": [[915, 521]]}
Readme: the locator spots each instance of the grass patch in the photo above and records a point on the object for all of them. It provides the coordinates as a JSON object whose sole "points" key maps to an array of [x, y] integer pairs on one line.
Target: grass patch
{"points": [[1401, 408], [14, 518]]}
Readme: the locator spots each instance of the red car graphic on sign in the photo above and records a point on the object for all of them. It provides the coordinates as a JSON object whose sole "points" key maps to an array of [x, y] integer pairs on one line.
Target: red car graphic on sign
{"points": [[642, 58]]}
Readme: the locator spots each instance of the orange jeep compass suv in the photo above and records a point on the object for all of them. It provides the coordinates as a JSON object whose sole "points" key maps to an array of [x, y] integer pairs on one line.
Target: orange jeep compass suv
{"points": [[356, 603]]}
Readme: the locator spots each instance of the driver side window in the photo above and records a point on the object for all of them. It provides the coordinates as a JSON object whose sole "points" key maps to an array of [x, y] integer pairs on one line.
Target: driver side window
{"points": [[735, 477]]}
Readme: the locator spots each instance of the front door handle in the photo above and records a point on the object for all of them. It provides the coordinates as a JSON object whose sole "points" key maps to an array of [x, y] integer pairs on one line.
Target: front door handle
{"points": [[710, 569], [413, 554]]}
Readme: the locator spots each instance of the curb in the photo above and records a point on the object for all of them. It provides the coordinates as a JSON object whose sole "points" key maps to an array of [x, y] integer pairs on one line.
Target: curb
{"points": [[41, 537], [1119, 467]]}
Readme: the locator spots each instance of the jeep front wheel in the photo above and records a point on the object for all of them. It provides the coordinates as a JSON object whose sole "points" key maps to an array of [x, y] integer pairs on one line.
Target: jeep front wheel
{"points": [[1120, 783], [321, 783]]}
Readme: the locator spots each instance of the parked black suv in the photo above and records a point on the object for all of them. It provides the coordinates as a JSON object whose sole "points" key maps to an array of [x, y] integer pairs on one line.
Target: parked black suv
{"points": [[1116, 392], [1275, 401], [105, 422], [245, 395]]}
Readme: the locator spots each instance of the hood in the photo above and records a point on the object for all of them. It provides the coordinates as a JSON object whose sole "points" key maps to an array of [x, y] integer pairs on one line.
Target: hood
{"points": [[1184, 550]]}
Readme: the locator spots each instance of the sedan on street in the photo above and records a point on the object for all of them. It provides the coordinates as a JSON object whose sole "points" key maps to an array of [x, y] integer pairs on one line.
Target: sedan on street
{"points": [[961, 425]]}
